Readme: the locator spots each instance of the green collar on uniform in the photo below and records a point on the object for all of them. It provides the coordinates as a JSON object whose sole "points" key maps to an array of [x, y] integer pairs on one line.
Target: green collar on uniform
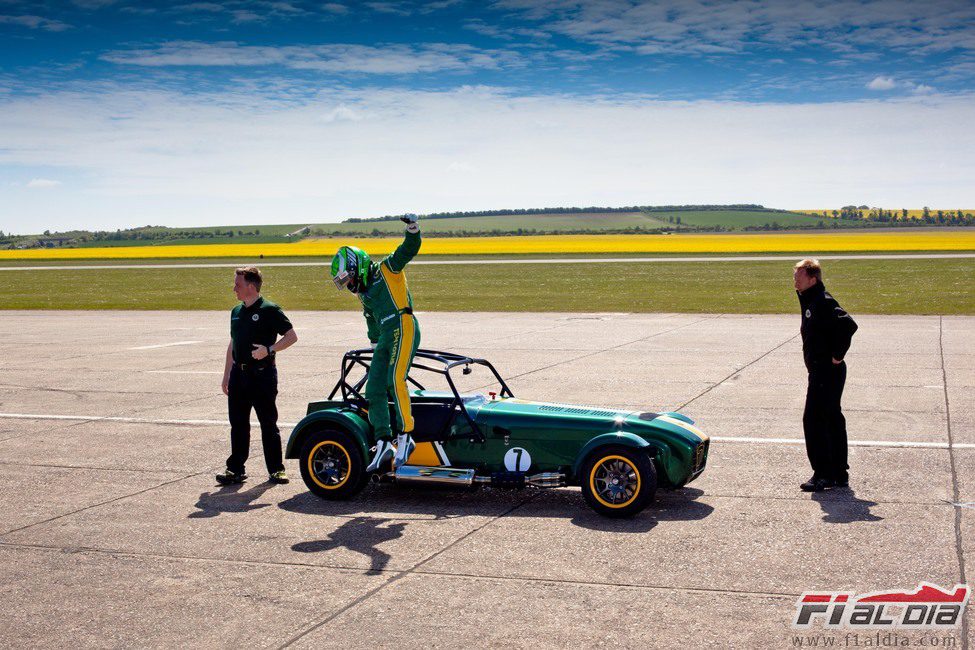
{"points": [[254, 305]]}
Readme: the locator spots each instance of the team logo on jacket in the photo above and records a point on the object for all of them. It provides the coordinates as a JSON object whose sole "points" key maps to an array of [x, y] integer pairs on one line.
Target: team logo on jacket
{"points": [[808, 313], [255, 317]]}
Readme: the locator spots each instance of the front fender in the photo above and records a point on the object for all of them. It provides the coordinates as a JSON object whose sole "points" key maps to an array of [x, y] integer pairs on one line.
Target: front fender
{"points": [[345, 420], [615, 438], [678, 416]]}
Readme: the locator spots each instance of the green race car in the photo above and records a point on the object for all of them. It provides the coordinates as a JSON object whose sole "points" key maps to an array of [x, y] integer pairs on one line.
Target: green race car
{"points": [[618, 458]]}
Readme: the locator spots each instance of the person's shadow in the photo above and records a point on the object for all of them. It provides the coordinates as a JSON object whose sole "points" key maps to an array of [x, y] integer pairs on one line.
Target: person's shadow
{"points": [[229, 499], [362, 535], [841, 506]]}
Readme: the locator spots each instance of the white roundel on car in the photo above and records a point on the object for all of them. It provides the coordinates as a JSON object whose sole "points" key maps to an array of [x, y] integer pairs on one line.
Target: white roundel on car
{"points": [[517, 460]]}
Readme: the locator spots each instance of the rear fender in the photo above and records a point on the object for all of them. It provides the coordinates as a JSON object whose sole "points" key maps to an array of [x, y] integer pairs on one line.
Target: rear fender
{"points": [[345, 420]]}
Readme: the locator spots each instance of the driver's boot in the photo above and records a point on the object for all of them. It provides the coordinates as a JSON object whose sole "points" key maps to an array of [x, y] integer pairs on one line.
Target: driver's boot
{"points": [[404, 447], [384, 451]]}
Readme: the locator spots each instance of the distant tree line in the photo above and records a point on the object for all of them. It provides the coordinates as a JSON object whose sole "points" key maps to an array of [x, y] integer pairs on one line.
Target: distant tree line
{"points": [[140, 234], [161, 233], [431, 231], [896, 217], [590, 210], [848, 216]]}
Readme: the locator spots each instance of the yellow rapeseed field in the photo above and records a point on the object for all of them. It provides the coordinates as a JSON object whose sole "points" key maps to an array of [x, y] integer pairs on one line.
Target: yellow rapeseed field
{"points": [[928, 240], [912, 214]]}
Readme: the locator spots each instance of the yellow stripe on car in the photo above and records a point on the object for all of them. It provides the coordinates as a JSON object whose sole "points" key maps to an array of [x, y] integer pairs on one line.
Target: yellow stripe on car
{"points": [[683, 425], [425, 454]]}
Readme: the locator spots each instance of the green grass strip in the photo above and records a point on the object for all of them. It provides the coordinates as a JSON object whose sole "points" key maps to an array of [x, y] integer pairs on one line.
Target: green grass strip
{"points": [[862, 286]]}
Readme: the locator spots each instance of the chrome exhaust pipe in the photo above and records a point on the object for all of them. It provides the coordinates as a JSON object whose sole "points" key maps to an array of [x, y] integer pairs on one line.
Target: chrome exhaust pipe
{"points": [[434, 475], [546, 480]]}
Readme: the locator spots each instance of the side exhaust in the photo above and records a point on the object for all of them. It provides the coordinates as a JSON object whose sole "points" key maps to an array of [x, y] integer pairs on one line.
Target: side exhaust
{"points": [[434, 475], [417, 474], [546, 479]]}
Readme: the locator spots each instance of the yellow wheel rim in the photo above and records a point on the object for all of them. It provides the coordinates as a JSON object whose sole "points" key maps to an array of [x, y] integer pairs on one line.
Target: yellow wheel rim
{"points": [[614, 481], [326, 457]]}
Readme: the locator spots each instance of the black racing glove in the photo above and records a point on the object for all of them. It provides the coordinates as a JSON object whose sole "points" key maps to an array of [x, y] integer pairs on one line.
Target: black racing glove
{"points": [[411, 223]]}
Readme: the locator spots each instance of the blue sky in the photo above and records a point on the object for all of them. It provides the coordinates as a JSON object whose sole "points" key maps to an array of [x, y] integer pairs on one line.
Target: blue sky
{"points": [[117, 113]]}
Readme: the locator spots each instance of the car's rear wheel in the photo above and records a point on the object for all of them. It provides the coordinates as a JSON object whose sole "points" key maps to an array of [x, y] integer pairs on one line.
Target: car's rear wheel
{"points": [[618, 481], [332, 465]]}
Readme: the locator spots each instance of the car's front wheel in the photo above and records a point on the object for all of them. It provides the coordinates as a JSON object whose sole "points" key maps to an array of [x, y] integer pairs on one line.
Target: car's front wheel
{"points": [[332, 465], [618, 481]]}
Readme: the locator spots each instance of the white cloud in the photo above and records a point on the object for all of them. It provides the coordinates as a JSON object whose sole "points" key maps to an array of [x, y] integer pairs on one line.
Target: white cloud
{"points": [[395, 8], [335, 8], [505, 33], [334, 58], [882, 83], [341, 113], [35, 22], [41, 183], [244, 16], [284, 7], [922, 89], [699, 26], [208, 7], [93, 4], [238, 158]]}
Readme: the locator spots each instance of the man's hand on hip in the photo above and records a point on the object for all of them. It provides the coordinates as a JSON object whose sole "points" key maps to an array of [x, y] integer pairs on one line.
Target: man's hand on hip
{"points": [[260, 351]]}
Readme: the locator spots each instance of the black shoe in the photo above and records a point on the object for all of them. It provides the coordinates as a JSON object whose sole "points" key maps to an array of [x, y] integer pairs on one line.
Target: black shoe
{"points": [[841, 484], [816, 484], [231, 478]]}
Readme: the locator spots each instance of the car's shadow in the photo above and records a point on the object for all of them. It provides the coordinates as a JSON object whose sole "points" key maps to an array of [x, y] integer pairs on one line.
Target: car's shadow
{"points": [[404, 503]]}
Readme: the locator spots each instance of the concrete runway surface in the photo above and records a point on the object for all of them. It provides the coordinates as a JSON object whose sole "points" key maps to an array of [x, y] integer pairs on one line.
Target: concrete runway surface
{"points": [[113, 533]]}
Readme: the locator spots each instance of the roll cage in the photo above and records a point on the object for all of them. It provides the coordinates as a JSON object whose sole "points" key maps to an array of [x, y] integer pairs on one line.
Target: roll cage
{"points": [[434, 361]]}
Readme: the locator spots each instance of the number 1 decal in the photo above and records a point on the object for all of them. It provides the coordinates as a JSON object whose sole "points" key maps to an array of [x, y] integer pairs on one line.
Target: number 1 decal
{"points": [[517, 460]]}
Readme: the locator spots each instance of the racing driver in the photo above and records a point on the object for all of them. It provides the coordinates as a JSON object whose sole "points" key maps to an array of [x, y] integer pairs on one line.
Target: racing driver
{"points": [[394, 333]]}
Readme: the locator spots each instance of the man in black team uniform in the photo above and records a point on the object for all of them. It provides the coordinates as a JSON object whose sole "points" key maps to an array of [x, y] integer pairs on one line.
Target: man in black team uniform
{"points": [[826, 334], [250, 376]]}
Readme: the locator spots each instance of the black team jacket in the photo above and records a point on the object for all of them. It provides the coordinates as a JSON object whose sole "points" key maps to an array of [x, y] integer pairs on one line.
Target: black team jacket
{"points": [[826, 328]]}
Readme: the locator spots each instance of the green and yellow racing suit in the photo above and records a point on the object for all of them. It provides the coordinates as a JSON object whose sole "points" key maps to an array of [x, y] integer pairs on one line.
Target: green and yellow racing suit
{"points": [[388, 308]]}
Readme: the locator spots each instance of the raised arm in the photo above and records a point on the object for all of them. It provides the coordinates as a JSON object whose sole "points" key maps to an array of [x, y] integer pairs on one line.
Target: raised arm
{"points": [[409, 248]]}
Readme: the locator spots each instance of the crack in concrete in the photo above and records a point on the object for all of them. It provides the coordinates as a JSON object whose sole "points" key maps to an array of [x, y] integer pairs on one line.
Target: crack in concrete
{"points": [[598, 352], [739, 370], [96, 469], [102, 503], [412, 571], [955, 493], [399, 576]]}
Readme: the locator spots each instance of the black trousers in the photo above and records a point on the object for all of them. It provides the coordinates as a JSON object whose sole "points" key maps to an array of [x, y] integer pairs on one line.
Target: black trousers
{"points": [[257, 389], [824, 425]]}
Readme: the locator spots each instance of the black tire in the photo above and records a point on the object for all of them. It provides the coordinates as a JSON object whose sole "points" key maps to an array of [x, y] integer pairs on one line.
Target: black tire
{"points": [[634, 470], [344, 477]]}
